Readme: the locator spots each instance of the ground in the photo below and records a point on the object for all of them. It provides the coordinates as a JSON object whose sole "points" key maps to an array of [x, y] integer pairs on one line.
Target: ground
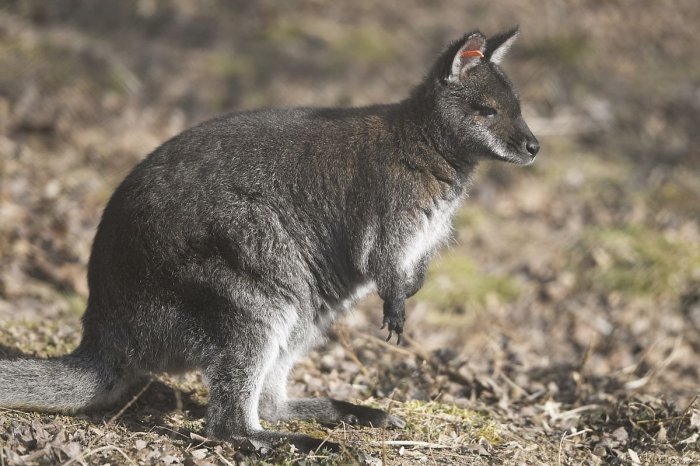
{"points": [[562, 324]]}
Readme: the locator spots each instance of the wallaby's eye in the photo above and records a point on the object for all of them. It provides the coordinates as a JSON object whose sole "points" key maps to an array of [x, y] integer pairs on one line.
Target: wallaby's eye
{"points": [[487, 112]]}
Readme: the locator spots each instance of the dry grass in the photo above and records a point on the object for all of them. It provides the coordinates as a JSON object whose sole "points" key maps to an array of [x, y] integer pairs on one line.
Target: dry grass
{"points": [[562, 327]]}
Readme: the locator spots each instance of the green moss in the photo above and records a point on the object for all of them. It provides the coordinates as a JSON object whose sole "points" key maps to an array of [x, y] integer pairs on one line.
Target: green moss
{"points": [[469, 216], [454, 283], [680, 194], [422, 417], [282, 32], [229, 65], [310, 428], [194, 425], [634, 261], [76, 303], [58, 65], [369, 45]]}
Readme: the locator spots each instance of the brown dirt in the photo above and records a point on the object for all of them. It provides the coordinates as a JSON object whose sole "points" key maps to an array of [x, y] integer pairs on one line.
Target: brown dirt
{"points": [[562, 326]]}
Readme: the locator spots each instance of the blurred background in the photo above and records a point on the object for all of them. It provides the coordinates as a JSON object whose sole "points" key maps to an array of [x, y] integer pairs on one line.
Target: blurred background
{"points": [[575, 281]]}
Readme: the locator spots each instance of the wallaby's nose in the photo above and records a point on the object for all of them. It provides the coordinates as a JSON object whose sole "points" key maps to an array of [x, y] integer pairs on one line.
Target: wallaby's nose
{"points": [[533, 147]]}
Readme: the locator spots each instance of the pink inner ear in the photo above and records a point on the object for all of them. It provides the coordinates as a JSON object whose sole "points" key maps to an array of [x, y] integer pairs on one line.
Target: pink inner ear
{"points": [[471, 54]]}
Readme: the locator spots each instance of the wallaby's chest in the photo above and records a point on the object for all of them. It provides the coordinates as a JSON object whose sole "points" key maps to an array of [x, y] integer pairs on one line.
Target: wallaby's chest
{"points": [[430, 232]]}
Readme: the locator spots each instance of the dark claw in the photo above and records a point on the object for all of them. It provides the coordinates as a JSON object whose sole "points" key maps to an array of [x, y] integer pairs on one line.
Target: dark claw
{"points": [[395, 421], [390, 335], [383, 326], [398, 339]]}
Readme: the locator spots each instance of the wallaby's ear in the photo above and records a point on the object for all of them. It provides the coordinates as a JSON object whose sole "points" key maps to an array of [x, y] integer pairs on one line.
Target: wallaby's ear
{"points": [[498, 45], [461, 56]]}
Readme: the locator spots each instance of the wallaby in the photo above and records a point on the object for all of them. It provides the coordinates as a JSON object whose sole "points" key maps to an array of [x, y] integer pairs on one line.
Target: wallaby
{"points": [[233, 247]]}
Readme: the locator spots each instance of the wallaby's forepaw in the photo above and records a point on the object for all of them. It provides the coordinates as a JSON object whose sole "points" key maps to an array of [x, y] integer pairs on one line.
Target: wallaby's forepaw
{"points": [[394, 318]]}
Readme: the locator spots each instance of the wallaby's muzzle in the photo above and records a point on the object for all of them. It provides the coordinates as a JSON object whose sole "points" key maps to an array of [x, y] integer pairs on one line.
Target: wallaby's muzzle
{"points": [[529, 146], [533, 147]]}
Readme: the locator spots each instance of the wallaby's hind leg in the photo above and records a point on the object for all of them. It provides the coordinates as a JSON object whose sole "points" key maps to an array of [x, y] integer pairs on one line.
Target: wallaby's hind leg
{"points": [[273, 398], [235, 379], [276, 406]]}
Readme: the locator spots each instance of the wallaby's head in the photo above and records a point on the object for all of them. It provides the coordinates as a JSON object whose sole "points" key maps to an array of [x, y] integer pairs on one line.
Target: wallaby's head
{"points": [[476, 102]]}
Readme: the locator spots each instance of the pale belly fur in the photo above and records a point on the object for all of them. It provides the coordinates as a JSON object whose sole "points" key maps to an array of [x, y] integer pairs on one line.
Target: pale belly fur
{"points": [[431, 234]]}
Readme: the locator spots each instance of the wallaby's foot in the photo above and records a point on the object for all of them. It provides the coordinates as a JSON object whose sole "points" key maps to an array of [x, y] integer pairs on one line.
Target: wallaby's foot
{"points": [[330, 411], [235, 381]]}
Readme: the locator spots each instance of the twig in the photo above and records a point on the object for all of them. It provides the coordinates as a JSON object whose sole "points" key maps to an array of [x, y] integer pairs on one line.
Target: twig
{"points": [[685, 413], [567, 437], [430, 450], [14, 411], [221, 457], [98, 450], [647, 407], [394, 348], [573, 412], [660, 420], [82, 456], [384, 455], [410, 443], [342, 447], [129, 403], [383, 431], [582, 366], [655, 371], [513, 384], [586, 356], [576, 434], [310, 456], [343, 338], [561, 444], [173, 431]]}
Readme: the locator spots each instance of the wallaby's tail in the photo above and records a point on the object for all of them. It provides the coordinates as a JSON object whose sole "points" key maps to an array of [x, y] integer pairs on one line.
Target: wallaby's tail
{"points": [[70, 383]]}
